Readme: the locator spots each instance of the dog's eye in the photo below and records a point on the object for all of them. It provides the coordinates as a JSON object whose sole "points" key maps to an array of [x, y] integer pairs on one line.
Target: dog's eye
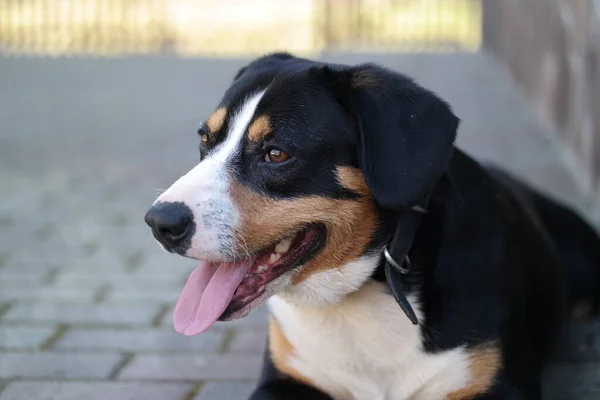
{"points": [[203, 133], [276, 155], [204, 139]]}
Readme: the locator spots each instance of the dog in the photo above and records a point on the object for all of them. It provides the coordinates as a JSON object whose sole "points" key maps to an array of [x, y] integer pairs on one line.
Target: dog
{"points": [[395, 265]]}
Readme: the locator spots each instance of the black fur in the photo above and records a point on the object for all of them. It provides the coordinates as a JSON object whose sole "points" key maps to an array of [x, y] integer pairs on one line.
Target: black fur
{"points": [[493, 262], [404, 133]]}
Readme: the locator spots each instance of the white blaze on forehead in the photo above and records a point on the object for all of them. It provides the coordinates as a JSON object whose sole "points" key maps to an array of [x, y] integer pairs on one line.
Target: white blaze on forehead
{"points": [[238, 126], [205, 190]]}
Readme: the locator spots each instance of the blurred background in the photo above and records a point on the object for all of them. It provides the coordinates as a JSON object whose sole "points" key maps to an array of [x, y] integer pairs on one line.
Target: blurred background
{"points": [[100, 101]]}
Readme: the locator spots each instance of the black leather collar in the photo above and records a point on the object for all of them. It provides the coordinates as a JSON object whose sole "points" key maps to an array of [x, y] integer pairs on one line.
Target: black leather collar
{"points": [[397, 263]]}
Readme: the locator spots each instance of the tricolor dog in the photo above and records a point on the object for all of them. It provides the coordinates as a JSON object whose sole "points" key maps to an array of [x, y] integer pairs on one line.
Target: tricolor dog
{"points": [[395, 266]]}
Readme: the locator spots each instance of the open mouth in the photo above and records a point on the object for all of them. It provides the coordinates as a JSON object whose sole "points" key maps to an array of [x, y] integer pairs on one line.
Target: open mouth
{"points": [[218, 290]]}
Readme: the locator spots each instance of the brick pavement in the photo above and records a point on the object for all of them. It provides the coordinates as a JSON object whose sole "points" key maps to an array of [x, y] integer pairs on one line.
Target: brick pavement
{"points": [[86, 295]]}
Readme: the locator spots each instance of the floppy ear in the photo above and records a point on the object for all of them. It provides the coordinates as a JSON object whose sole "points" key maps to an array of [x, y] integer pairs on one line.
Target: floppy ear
{"points": [[405, 133]]}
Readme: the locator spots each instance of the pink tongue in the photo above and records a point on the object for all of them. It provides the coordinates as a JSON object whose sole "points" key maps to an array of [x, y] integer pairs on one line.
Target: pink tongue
{"points": [[207, 293]]}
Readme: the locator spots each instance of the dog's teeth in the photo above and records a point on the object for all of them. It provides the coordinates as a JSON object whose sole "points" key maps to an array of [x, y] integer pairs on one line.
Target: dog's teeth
{"points": [[274, 257], [261, 268], [283, 246]]}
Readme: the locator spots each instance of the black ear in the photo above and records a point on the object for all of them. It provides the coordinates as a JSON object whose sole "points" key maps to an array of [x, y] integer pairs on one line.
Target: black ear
{"points": [[241, 72], [405, 133]]}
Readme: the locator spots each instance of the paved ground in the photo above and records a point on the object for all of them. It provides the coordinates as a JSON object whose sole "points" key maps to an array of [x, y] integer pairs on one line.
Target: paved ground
{"points": [[85, 293]]}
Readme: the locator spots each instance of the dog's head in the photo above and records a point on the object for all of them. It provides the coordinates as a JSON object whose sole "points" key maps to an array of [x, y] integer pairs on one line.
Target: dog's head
{"points": [[300, 164]]}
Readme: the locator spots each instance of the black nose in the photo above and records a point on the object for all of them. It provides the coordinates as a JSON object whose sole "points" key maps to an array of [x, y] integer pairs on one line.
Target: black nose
{"points": [[171, 224]]}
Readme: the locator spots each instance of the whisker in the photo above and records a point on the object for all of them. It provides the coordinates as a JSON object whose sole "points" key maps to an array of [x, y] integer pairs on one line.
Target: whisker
{"points": [[243, 243]]}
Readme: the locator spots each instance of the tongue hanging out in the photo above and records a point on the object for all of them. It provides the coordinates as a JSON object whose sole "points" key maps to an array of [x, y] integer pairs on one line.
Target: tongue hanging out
{"points": [[207, 293], [215, 290]]}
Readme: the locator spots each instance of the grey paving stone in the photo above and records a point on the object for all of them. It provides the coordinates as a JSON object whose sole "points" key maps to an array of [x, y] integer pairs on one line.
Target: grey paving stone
{"points": [[81, 314], [179, 269], [91, 284], [29, 390], [143, 295], [140, 340], [194, 367], [104, 260], [249, 340], [572, 379], [30, 276], [23, 337], [86, 277], [30, 268], [158, 261], [57, 365], [117, 280], [63, 258], [136, 301], [571, 394], [42, 293], [580, 342], [50, 256], [224, 391], [178, 274], [141, 283], [12, 281]]}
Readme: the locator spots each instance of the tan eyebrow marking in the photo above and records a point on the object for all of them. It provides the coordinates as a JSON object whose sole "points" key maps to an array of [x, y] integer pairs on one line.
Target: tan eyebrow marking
{"points": [[260, 128], [216, 120], [353, 180]]}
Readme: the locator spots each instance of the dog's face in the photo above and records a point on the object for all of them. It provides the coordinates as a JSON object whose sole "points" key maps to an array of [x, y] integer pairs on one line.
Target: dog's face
{"points": [[300, 164]]}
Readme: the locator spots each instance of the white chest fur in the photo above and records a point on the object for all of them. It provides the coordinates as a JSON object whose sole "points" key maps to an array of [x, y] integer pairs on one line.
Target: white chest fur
{"points": [[364, 348]]}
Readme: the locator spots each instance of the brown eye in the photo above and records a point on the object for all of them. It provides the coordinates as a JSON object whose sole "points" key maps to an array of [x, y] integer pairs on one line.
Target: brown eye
{"points": [[276, 156], [204, 139]]}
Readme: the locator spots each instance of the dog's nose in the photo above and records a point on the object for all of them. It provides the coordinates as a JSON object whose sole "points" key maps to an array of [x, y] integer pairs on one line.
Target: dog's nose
{"points": [[170, 223]]}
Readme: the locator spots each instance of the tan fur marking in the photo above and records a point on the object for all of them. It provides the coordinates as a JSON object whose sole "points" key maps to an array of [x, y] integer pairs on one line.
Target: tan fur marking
{"points": [[350, 224], [281, 350], [216, 120], [260, 128], [485, 361], [353, 179]]}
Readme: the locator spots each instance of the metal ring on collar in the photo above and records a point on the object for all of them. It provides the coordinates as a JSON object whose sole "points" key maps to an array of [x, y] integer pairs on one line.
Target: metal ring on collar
{"points": [[419, 209], [394, 264]]}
